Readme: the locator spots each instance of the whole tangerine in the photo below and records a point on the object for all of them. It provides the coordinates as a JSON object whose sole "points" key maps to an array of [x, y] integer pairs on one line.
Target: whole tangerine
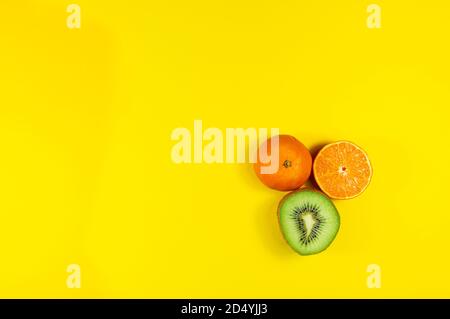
{"points": [[294, 164]]}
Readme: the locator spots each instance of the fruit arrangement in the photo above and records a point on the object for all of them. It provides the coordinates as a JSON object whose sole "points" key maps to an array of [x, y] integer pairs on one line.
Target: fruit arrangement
{"points": [[308, 219]]}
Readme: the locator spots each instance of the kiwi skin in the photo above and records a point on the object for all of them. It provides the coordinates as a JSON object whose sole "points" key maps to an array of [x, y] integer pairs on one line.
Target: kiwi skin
{"points": [[278, 217]]}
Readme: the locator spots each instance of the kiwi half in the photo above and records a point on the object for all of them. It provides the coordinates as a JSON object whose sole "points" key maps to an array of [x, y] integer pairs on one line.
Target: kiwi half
{"points": [[309, 221]]}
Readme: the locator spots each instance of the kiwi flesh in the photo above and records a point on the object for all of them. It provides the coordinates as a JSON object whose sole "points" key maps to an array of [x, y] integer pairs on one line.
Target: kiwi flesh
{"points": [[308, 220]]}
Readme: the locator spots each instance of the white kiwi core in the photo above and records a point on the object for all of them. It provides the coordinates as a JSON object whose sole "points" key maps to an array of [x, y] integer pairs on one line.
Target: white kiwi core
{"points": [[308, 221]]}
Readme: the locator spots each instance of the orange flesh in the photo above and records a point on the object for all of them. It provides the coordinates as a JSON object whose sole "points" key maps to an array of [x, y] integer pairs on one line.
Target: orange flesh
{"points": [[342, 170]]}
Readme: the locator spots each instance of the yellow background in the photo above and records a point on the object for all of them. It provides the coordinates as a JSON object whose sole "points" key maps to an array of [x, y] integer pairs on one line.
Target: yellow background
{"points": [[85, 170]]}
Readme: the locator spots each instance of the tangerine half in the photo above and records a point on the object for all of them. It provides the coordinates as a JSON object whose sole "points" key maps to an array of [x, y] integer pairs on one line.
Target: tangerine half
{"points": [[342, 170], [294, 164]]}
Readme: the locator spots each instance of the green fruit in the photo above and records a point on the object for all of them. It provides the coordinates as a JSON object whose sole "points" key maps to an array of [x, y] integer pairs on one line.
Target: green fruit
{"points": [[308, 220]]}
